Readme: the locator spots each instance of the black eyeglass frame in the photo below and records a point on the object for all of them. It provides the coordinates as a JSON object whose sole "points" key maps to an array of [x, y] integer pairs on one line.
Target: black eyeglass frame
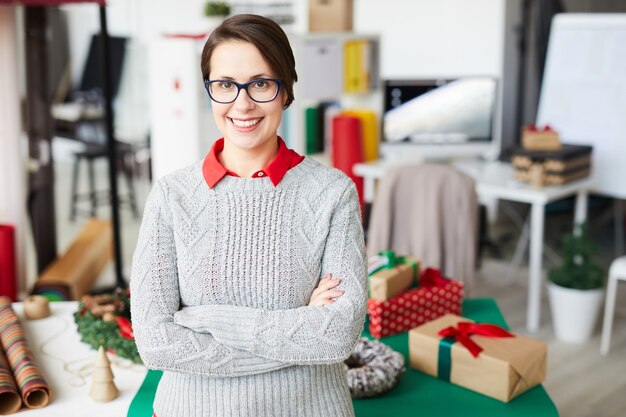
{"points": [[244, 86]]}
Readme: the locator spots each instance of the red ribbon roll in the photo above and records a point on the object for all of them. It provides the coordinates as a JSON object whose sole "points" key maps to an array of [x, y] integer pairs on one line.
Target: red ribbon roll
{"points": [[347, 148], [461, 333], [7, 262]]}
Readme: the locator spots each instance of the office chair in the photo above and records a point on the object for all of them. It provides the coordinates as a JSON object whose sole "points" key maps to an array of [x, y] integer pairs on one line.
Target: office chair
{"points": [[429, 211]]}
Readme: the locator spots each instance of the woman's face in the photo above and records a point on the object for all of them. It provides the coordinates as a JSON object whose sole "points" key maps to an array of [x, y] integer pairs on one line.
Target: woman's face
{"points": [[246, 124]]}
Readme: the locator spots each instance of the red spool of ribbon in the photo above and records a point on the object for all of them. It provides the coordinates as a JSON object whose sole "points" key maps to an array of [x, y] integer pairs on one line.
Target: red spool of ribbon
{"points": [[347, 148], [8, 276]]}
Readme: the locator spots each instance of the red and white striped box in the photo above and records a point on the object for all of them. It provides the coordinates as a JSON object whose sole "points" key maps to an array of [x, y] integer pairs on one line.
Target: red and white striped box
{"points": [[435, 297]]}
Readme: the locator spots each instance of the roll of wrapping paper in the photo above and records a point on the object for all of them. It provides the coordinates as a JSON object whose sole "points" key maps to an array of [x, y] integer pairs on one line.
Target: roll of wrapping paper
{"points": [[348, 148], [369, 129], [30, 382], [10, 399]]}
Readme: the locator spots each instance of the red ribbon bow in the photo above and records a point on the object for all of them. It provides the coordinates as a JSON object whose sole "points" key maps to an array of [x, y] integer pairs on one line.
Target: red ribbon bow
{"points": [[126, 330], [431, 277], [535, 128], [461, 333]]}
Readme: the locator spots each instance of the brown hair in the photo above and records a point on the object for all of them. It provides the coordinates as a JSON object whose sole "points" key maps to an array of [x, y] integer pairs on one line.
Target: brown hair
{"points": [[265, 34]]}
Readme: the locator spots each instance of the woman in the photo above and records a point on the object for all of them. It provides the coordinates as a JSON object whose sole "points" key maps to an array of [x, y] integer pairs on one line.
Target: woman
{"points": [[226, 291]]}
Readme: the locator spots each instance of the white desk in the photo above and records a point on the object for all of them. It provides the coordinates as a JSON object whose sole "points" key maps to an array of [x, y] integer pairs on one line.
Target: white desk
{"points": [[496, 180], [57, 335]]}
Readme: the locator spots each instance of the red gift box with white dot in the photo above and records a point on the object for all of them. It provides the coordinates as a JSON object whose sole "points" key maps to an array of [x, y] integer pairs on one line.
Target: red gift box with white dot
{"points": [[435, 297]]}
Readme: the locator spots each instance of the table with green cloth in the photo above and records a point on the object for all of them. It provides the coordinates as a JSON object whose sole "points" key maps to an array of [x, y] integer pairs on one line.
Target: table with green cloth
{"points": [[417, 393]]}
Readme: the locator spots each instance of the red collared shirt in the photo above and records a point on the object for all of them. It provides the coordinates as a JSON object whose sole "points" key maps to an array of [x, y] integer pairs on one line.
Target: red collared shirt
{"points": [[284, 160]]}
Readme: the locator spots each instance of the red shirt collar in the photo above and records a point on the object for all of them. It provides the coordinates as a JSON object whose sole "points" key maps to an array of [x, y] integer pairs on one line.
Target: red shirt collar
{"points": [[284, 160]]}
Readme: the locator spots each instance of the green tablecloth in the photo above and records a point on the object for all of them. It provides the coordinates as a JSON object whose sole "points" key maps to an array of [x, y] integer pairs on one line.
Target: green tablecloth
{"points": [[417, 394]]}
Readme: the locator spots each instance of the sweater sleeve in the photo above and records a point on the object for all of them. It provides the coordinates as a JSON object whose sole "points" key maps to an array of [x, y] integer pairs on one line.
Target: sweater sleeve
{"points": [[162, 344], [304, 335]]}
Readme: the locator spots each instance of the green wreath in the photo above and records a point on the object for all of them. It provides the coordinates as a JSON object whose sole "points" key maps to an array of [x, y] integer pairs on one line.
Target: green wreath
{"points": [[104, 320]]}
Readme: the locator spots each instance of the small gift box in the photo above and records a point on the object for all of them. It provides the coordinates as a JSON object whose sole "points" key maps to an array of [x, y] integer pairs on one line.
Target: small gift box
{"points": [[434, 297], [390, 275], [540, 138], [481, 357]]}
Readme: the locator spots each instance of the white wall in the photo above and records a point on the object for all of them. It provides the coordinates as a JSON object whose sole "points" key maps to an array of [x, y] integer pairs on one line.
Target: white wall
{"points": [[446, 38], [421, 38]]}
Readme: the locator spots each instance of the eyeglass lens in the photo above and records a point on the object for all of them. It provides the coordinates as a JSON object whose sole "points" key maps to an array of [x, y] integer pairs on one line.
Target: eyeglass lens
{"points": [[259, 90]]}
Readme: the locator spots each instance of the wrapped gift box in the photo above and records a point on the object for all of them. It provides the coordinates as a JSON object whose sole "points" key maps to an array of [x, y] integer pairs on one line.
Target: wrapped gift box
{"points": [[540, 139], [330, 15], [504, 367], [390, 275], [569, 163], [434, 297]]}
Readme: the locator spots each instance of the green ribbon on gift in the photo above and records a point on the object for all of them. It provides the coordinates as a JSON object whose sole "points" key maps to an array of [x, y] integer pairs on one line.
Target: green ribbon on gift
{"points": [[391, 261], [444, 362]]}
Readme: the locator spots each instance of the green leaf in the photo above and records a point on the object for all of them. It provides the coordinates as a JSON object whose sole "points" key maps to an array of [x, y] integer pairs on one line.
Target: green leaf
{"points": [[96, 332], [578, 270]]}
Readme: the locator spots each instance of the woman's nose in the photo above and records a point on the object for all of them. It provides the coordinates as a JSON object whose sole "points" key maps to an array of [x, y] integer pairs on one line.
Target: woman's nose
{"points": [[243, 100]]}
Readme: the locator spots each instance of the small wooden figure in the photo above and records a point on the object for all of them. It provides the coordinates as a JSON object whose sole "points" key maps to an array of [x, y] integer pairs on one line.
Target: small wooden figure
{"points": [[103, 388]]}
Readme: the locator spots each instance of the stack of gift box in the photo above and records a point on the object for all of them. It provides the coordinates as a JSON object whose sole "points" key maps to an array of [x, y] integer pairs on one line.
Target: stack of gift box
{"points": [[544, 160], [401, 298], [482, 357]]}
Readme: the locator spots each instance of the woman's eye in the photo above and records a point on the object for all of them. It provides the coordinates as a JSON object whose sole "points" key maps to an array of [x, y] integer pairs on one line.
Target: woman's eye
{"points": [[225, 85], [260, 84]]}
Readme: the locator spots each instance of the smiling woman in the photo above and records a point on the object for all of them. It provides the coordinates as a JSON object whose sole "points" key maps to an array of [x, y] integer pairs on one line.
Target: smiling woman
{"points": [[249, 277]]}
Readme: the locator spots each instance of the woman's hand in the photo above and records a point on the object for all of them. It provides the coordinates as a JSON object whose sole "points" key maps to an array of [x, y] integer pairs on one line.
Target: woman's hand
{"points": [[324, 292]]}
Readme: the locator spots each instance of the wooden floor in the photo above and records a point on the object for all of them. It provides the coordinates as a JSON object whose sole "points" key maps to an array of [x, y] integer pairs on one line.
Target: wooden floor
{"points": [[580, 381]]}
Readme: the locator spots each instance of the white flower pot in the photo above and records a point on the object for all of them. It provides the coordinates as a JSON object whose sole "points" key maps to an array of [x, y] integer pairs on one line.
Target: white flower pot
{"points": [[574, 312]]}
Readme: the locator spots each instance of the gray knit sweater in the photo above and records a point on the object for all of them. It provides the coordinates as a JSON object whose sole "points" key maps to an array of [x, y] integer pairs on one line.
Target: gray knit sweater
{"points": [[220, 284]]}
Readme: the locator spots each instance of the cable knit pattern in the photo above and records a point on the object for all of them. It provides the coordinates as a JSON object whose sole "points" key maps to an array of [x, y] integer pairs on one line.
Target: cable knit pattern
{"points": [[220, 285]]}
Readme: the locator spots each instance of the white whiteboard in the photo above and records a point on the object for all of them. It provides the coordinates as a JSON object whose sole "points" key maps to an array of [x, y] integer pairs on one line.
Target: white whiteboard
{"points": [[583, 94]]}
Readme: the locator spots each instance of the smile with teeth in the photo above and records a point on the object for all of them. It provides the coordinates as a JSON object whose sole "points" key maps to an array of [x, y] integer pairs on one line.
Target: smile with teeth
{"points": [[245, 123]]}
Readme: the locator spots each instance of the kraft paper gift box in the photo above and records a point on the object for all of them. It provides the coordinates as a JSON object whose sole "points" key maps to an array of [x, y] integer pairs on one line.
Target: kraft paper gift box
{"points": [[330, 15], [504, 367], [540, 138], [434, 297], [391, 275]]}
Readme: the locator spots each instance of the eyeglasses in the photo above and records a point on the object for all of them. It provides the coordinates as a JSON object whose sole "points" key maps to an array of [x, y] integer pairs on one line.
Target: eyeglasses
{"points": [[261, 90]]}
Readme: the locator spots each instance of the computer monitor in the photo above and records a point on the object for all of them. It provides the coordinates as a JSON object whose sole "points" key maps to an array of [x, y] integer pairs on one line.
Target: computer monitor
{"points": [[439, 118]]}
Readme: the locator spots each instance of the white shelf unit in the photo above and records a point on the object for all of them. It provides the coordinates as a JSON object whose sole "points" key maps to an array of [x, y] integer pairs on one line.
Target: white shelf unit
{"points": [[320, 60]]}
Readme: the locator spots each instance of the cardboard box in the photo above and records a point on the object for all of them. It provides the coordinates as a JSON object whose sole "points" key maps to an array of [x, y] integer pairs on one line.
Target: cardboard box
{"points": [[77, 269], [330, 15], [390, 282], [435, 297], [504, 369], [545, 139]]}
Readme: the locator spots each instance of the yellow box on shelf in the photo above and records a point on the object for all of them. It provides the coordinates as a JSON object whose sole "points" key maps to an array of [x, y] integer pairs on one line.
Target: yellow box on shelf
{"points": [[356, 66]]}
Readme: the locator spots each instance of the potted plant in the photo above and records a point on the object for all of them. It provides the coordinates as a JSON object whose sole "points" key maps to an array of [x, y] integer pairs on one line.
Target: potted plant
{"points": [[576, 288], [216, 11]]}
